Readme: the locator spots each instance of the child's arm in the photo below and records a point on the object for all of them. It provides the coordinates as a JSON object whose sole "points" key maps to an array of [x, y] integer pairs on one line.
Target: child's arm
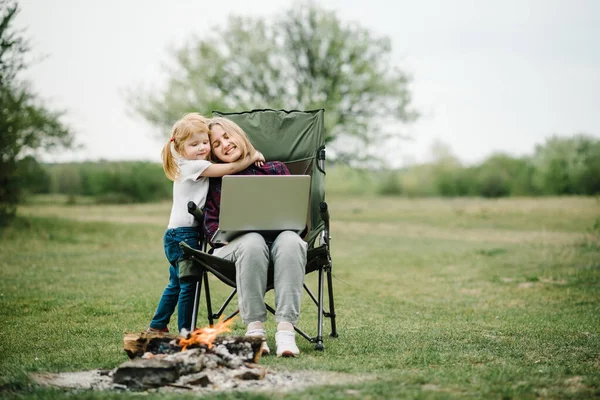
{"points": [[259, 159], [219, 170]]}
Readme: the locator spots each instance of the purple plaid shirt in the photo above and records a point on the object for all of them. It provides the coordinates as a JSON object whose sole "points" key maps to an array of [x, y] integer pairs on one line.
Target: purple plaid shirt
{"points": [[213, 199]]}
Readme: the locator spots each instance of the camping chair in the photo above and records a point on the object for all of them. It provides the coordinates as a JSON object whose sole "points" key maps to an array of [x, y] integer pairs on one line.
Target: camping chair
{"points": [[297, 139]]}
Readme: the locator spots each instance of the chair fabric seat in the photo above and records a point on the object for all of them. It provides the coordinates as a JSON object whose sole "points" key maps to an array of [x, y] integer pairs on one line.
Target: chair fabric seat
{"points": [[224, 270]]}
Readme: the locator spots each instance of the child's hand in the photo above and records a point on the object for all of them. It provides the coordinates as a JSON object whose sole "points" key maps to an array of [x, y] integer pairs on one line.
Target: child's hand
{"points": [[259, 159]]}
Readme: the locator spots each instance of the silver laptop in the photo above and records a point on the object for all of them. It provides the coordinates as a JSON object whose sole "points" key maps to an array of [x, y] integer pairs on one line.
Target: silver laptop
{"points": [[267, 204]]}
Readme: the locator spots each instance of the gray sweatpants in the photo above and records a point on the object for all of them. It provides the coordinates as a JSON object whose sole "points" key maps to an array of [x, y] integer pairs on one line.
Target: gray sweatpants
{"points": [[251, 255]]}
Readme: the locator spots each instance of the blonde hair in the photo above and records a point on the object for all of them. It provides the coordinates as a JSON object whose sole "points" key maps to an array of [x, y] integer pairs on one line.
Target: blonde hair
{"points": [[182, 130], [235, 132]]}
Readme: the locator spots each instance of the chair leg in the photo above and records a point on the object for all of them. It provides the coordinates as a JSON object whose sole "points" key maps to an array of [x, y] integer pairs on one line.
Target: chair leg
{"points": [[224, 306], [331, 306], [208, 302], [233, 314], [196, 303], [319, 339]]}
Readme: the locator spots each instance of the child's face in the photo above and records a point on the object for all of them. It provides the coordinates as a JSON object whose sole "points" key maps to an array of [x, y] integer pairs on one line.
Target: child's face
{"points": [[197, 147]]}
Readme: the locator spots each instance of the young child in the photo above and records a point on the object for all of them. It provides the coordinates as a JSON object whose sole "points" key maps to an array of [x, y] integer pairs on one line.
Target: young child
{"points": [[186, 162]]}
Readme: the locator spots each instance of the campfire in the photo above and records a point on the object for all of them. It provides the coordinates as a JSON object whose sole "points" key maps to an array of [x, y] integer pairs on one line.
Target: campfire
{"points": [[204, 361], [205, 336], [201, 357]]}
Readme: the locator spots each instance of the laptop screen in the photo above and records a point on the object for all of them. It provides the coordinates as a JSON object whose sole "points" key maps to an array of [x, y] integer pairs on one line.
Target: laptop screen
{"points": [[256, 203]]}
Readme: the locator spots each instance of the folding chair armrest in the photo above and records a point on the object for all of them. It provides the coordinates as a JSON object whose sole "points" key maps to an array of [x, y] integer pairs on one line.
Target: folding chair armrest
{"points": [[324, 211], [221, 268], [316, 258], [198, 213]]}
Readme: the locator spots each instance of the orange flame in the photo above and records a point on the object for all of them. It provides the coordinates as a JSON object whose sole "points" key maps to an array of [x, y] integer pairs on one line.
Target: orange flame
{"points": [[206, 335]]}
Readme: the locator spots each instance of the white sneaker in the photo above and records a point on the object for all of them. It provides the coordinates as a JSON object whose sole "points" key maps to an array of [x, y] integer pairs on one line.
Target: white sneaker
{"points": [[261, 333], [286, 344]]}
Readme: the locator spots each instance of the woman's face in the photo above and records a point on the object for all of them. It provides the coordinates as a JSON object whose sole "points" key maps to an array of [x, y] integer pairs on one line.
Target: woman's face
{"points": [[224, 147]]}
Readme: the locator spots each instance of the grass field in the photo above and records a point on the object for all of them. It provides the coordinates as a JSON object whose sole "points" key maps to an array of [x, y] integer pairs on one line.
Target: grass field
{"points": [[435, 298]]}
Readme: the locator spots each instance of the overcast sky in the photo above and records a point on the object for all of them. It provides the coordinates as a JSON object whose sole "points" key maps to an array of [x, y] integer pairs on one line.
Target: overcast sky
{"points": [[489, 75]]}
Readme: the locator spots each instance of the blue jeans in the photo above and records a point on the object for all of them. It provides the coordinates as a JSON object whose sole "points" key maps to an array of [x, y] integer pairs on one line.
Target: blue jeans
{"points": [[178, 292]]}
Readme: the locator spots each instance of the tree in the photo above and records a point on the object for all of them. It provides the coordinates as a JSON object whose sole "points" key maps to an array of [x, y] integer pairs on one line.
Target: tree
{"points": [[26, 124], [306, 59], [503, 175], [451, 178], [568, 165], [32, 177]]}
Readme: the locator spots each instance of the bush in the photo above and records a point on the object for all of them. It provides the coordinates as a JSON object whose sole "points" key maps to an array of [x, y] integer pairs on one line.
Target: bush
{"points": [[456, 182], [32, 177], [560, 166], [493, 183], [589, 180], [112, 182], [114, 198], [69, 181], [568, 165], [342, 179], [501, 175], [418, 181], [10, 192], [389, 184]]}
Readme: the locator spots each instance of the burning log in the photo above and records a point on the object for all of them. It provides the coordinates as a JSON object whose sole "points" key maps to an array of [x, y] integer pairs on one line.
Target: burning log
{"points": [[159, 359], [205, 336], [136, 344]]}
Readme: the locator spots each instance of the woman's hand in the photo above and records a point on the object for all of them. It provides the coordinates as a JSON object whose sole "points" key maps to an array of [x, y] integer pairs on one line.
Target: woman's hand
{"points": [[258, 158]]}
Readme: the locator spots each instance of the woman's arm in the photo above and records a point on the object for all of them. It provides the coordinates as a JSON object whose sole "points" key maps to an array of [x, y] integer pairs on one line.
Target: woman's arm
{"points": [[219, 170]]}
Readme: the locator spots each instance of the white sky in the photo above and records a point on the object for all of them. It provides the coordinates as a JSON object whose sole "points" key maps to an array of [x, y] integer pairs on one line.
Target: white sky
{"points": [[489, 75]]}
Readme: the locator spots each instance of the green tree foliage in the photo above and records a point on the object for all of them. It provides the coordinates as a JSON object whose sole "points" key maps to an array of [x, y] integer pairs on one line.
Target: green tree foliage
{"points": [[450, 177], [32, 177], [390, 184], [501, 175], [306, 59], [111, 182], [560, 166], [26, 124], [568, 165]]}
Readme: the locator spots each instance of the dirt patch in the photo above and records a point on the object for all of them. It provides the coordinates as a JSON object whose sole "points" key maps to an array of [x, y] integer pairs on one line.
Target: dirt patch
{"points": [[213, 381]]}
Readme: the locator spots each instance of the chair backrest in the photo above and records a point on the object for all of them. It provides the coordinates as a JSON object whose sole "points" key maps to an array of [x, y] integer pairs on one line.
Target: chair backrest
{"points": [[295, 138]]}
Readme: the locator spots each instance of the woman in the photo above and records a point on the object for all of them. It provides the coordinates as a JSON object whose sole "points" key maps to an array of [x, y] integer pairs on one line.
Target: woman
{"points": [[251, 253]]}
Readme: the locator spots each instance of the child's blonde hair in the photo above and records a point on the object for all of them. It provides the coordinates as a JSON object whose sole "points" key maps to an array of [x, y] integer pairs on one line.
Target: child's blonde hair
{"points": [[182, 130], [235, 132]]}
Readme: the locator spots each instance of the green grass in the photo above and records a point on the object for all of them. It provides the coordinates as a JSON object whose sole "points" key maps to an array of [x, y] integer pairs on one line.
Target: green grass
{"points": [[436, 298]]}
